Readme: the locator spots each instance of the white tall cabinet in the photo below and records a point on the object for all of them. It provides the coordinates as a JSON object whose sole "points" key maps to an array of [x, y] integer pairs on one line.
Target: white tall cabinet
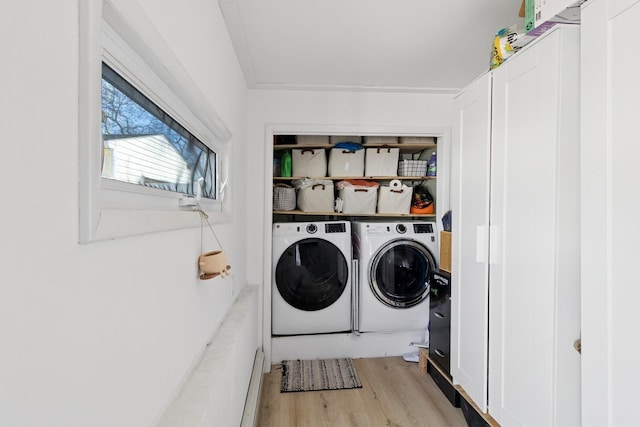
{"points": [[470, 186], [610, 233], [516, 230]]}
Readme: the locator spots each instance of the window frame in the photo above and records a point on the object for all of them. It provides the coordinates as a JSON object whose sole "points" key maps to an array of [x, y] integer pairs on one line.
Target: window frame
{"points": [[123, 37]]}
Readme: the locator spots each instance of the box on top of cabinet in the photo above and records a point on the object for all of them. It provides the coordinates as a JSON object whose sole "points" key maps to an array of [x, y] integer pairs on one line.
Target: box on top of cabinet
{"points": [[536, 28], [539, 11]]}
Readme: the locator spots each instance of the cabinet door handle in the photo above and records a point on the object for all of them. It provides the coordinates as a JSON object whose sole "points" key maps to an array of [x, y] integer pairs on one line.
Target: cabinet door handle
{"points": [[577, 344], [438, 315], [439, 353], [355, 298]]}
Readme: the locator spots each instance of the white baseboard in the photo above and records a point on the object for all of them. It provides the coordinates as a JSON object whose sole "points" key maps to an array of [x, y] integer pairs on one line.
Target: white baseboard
{"points": [[252, 404]]}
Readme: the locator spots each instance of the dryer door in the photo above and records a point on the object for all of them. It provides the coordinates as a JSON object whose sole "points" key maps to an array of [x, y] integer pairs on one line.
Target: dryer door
{"points": [[311, 274], [399, 273]]}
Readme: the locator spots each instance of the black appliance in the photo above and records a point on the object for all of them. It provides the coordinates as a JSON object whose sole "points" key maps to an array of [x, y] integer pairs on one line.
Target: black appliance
{"points": [[440, 320]]}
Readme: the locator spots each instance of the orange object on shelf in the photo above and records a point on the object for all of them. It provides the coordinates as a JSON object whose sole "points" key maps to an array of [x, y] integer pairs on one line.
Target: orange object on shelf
{"points": [[427, 210]]}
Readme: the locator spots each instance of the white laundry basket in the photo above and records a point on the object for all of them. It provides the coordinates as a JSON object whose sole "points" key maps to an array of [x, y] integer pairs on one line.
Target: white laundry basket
{"points": [[345, 162], [381, 161], [358, 199], [315, 195], [309, 162], [394, 198]]}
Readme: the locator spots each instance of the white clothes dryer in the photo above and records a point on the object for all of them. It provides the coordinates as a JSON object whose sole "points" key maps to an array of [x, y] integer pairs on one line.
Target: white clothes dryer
{"points": [[395, 264], [311, 280]]}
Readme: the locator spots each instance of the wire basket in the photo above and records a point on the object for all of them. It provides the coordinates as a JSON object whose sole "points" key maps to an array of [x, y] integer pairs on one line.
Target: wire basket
{"points": [[412, 167]]}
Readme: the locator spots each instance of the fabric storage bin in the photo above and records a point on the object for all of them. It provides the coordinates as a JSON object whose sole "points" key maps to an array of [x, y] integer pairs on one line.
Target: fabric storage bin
{"points": [[284, 197], [394, 198], [284, 139], [358, 197], [313, 139], [311, 162], [344, 162], [315, 195], [335, 139], [417, 140], [381, 161], [412, 167], [380, 139]]}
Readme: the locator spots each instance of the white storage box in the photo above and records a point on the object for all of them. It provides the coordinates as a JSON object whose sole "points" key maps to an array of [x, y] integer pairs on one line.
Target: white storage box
{"points": [[311, 162], [380, 139], [315, 195], [343, 162], [394, 198], [334, 139], [357, 199], [539, 11], [312, 139], [417, 140], [381, 161], [412, 167]]}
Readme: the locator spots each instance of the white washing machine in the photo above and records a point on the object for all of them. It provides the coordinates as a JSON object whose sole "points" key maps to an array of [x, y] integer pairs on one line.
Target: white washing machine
{"points": [[311, 280], [395, 263]]}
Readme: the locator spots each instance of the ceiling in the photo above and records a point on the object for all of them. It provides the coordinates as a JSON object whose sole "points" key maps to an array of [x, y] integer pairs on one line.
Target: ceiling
{"points": [[402, 45]]}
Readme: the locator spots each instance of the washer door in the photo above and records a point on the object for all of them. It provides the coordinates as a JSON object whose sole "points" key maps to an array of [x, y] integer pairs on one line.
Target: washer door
{"points": [[311, 274], [399, 273]]}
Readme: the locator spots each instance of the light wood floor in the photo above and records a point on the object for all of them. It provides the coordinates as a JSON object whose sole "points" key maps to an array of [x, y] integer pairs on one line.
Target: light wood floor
{"points": [[393, 393]]}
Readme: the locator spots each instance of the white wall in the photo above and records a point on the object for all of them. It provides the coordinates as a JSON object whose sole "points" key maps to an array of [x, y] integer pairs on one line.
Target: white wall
{"points": [[99, 334], [339, 109]]}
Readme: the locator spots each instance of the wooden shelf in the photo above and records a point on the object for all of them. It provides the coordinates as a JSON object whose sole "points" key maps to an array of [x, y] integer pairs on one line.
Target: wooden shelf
{"points": [[340, 178], [407, 151], [390, 215]]}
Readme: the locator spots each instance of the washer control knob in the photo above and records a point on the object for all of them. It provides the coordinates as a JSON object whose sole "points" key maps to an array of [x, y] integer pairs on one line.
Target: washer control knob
{"points": [[401, 228], [312, 228]]}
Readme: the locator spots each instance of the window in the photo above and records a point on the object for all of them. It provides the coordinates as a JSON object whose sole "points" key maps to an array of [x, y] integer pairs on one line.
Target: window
{"points": [[148, 136], [144, 145]]}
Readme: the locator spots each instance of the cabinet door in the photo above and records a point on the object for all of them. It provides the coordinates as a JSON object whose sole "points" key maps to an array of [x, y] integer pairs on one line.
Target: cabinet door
{"points": [[610, 233], [470, 209], [534, 372]]}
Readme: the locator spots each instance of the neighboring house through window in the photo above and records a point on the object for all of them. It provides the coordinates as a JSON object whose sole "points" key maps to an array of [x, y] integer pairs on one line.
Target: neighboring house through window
{"points": [[144, 145]]}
